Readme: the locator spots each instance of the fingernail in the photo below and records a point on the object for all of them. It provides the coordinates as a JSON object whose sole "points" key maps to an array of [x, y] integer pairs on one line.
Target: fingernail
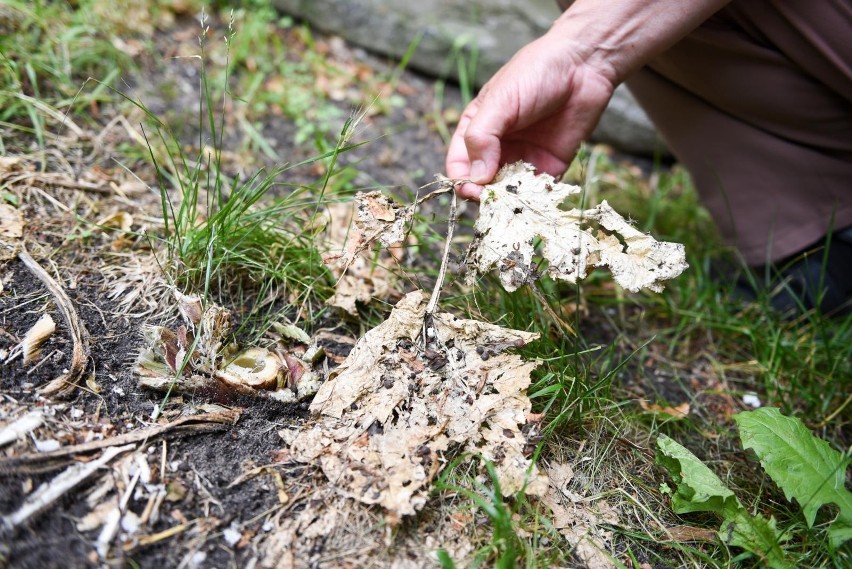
{"points": [[477, 172]]}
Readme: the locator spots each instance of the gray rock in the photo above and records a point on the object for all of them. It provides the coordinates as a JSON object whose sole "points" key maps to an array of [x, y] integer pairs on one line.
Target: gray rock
{"points": [[485, 33]]}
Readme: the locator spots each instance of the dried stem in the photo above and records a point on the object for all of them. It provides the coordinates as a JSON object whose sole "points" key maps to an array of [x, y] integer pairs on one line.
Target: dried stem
{"points": [[540, 296], [451, 225], [203, 423], [66, 382]]}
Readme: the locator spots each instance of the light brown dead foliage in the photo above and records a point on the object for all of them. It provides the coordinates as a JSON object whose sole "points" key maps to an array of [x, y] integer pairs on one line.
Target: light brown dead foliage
{"points": [[11, 230], [349, 234], [333, 531], [520, 207], [580, 520], [412, 393]]}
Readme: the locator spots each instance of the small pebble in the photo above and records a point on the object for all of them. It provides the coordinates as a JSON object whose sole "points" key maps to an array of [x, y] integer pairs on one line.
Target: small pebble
{"points": [[752, 400]]}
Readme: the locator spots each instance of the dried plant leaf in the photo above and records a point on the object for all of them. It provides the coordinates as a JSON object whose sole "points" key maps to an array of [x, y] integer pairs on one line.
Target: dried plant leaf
{"points": [[519, 208], [362, 283], [322, 525], [66, 382], [190, 307], [11, 230], [360, 280], [11, 222], [579, 520], [389, 415], [120, 220], [677, 412], [378, 218], [29, 346], [692, 533], [10, 164]]}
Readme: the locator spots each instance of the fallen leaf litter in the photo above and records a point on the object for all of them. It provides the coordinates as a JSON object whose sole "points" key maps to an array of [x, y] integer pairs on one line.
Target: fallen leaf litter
{"points": [[424, 386], [392, 413]]}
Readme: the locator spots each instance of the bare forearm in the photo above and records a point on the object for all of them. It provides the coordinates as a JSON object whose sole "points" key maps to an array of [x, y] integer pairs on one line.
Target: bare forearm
{"points": [[619, 36]]}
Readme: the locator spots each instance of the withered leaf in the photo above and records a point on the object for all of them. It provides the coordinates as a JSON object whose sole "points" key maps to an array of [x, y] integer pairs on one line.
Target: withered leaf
{"points": [[11, 231], [378, 218], [519, 207], [581, 521], [360, 280], [388, 416]]}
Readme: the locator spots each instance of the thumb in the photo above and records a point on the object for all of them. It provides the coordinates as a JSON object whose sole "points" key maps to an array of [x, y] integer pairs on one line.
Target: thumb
{"points": [[482, 140]]}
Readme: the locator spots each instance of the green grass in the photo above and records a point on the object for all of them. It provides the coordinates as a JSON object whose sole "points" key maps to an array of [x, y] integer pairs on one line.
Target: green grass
{"points": [[250, 242], [802, 365], [49, 49], [241, 240]]}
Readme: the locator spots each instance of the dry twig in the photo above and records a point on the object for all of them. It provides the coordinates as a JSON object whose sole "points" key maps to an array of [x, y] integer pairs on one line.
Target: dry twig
{"points": [[65, 383], [51, 491], [205, 423]]}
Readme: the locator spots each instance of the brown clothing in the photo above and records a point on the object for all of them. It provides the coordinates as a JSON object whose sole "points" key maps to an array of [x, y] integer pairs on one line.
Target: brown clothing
{"points": [[757, 103]]}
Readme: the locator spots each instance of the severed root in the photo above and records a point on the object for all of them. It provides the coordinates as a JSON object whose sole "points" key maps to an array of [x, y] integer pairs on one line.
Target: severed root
{"points": [[65, 383]]}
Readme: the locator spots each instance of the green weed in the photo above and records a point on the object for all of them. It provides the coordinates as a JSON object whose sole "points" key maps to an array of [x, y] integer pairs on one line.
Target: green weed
{"points": [[506, 548], [806, 468], [250, 242]]}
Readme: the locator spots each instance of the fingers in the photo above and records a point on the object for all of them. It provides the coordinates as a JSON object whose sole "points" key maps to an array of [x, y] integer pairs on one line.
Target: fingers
{"points": [[458, 161], [475, 149], [483, 133]]}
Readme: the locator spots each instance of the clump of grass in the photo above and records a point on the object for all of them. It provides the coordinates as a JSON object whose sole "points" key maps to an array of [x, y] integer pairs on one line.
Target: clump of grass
{"points": [[251, 242]]}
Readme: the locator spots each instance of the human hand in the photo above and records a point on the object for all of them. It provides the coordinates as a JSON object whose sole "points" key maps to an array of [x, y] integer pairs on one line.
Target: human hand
{"points": [[550, 95], [537, 108]]}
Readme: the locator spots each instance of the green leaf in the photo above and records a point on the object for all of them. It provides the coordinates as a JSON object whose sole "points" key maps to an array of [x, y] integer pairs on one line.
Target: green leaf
{"points": [[698, 488], [803, 466], [445, 560], [757, 535]]}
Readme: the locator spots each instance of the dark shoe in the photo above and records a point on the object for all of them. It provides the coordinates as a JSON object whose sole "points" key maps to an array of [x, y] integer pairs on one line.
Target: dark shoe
{"points": [[819, 278]]}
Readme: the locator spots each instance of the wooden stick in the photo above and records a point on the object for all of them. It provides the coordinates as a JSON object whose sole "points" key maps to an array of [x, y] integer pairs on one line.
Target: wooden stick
{"points": [[51, 491]]}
